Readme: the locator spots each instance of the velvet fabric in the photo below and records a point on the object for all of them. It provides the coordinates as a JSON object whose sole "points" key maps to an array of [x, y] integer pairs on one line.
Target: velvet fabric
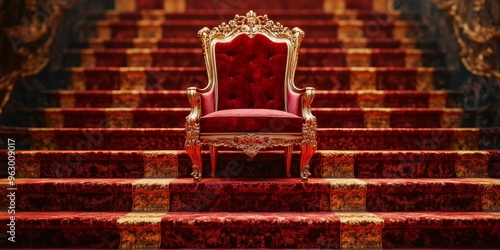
{"points": [[294, 103], [251, 73], [251, 120], [207, 103]]}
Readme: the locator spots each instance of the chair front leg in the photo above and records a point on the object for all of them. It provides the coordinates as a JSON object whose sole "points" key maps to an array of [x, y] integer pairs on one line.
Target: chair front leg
{"points": [[308, 148], [193, 149]]}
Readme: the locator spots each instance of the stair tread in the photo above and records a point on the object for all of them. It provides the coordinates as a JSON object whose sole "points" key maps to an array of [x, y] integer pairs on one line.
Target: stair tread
{"points": [[269, 12], [184, 92], [248, 184], [140, 152], [9, 129], [199, 51], [308, 40], [191, 68], [203, 23], [174, 109], [389, 217]]}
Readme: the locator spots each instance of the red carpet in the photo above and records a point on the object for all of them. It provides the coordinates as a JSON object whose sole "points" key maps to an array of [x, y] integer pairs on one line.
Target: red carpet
{"points": [[399, 163]]}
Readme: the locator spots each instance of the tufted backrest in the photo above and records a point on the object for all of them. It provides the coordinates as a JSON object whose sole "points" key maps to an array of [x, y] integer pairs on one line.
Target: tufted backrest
{"points": [[250, 63], [251, 73]]}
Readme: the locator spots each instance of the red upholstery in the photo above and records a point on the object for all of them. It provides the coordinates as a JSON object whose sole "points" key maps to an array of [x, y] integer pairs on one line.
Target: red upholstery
{"points": [[208, 103], [251, 120], [251, 73], [294, 103]]}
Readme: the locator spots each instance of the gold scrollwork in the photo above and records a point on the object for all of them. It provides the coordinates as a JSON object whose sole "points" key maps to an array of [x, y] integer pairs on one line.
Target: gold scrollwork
{"points": [[251, 144], [22, 37], [476, 35]]}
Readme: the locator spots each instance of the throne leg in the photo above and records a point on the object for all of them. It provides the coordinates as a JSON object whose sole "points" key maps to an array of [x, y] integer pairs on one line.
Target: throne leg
{"points": [[288, 159], [214, 151], [308, 148], [194, 151]]}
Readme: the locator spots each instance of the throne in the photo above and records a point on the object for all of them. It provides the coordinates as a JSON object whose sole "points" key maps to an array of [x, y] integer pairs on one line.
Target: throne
{"points": [[250, 102]]}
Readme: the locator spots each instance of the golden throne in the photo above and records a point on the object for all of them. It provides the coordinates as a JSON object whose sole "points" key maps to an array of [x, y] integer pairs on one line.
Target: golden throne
{"points": [[250, 102]]}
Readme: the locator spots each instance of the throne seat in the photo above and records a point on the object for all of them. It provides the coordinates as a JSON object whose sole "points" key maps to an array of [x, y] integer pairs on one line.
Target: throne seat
{"points": [[250, 101], [251, 121]]}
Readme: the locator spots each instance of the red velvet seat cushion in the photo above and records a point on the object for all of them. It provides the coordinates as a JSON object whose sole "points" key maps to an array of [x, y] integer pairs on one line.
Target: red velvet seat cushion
{"points": [[251, 120]]}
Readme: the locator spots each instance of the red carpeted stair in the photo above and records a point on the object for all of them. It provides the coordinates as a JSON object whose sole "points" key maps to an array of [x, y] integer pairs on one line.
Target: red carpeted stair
{"points": [[399, 163]]}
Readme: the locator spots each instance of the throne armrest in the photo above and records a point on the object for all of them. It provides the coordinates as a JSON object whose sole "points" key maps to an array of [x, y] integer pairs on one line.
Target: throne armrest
{"points": [[307, 99], [300, 100], [309, 127], [194, 97]]}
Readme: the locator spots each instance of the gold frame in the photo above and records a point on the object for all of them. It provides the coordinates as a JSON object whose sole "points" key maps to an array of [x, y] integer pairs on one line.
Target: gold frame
{"points": [[251, 144]]}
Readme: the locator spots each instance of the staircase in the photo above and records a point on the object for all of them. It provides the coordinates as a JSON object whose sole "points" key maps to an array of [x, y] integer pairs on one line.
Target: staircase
{"points": [[399, 163]]}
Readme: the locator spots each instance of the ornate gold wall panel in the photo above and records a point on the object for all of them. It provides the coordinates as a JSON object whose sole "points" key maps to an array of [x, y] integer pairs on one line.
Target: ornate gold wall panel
{"points": [[476, 27], [28, 41]]}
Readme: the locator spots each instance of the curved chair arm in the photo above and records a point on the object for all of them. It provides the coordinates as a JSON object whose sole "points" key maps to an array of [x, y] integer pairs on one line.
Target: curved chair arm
{"points": [[308, 143], [308, 97], [194, 96], [310, 125], [307, 94]]}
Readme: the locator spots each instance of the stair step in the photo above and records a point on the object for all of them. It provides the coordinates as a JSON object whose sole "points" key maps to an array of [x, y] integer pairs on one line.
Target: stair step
{"points": [[328, 138], [63, 229], [267, 164], [326, 42], [334, 29], [277, 15], [326, 117], [271, 195], [255, 230], [243, 6], [76, 194], [327, 78], [239, 6], [410, 58], [323, 98], [259, 195]]}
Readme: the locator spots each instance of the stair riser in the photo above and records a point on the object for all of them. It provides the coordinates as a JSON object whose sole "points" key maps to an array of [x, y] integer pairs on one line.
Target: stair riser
{"points": [[369, 29], [441, 238], [199, 201], [226, 7], [131, 58], [388, 101], [326, 164], [291, 230], [333, 139], [272, 14], [307, 43], [88, 237], [63, 230], [255, 236], [326, 118], [271, 195], [118, 100], [437, 231], [320, 78], [181, 6], [334, 100]]}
